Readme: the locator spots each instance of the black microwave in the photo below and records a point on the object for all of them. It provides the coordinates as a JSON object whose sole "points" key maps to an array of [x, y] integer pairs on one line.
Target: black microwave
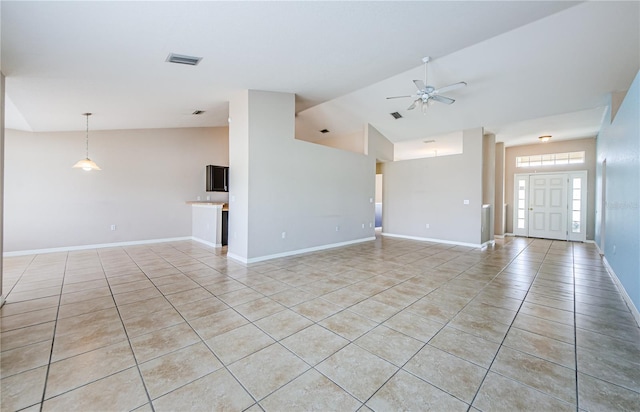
{"points": [[217, 178]]}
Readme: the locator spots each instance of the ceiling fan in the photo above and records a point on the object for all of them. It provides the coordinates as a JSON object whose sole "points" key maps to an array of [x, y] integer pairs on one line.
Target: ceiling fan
{"points": [[427, 94]]}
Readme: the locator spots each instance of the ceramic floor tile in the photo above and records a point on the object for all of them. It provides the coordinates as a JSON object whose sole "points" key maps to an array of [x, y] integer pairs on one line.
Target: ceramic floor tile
{"points": [[147, 323], [121, 391], [14, 361], [89, 337], [374, 310], [545, 376], [314, 344], [414, 325], [498, 393], [629, 350], [349, 325], [163, 341], [481, 327], [604, 366], [173, 370], [598, 395], [238, 343], [310, 392], [357, 371], [466, 346], [317, 309], [550, 329], [390, 345], [267, 370], [19, 308], [447, 372], [405, 392], [537, 345], [26, 336], [259, 308], [201, 308], [85, 306], [22, 390], [218, 391], [90, 366], [283, 324], [217, 323], [22, 320]]}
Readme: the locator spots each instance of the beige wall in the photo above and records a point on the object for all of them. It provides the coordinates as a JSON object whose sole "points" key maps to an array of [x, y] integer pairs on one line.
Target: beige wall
{"points": [[1, 180], [146, 177], [587, 144], [432, 191], [499, 198]]}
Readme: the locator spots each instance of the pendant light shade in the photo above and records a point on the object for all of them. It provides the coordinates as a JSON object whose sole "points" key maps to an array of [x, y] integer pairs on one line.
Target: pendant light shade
{"points": [[86, 163]]}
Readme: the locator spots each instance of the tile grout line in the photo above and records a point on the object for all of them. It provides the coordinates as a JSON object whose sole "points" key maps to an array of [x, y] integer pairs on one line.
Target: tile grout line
{"points": [[575, 324], [195, 331], [55, 327], [126, 334], [511, 324]]}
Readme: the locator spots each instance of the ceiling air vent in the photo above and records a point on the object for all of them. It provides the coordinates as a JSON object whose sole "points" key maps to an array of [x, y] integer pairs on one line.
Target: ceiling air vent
{"points": [[323, 131], [182, 59], [429, 141], [396, 115], [197, 112]]}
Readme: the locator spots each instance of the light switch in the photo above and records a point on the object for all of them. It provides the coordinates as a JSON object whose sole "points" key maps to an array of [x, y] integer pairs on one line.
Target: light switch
{"points": [[466, 201]]}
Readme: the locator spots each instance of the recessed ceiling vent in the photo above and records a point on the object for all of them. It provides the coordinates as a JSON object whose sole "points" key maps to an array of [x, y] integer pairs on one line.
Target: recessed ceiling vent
{"points": [[182, 59], [396, 115], [429, 141], [323, 131], [197, 112]]}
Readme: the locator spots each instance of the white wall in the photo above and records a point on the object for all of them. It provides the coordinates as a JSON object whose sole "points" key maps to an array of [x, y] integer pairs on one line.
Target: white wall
{"points": [[300, 188], [432, 191], [146, 177]]}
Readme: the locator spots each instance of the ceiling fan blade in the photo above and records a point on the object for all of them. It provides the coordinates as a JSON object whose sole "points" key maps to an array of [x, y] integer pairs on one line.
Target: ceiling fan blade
{"points": [[442, 99], [450, 87], [398, 97], [413, 105], [419, 84]]}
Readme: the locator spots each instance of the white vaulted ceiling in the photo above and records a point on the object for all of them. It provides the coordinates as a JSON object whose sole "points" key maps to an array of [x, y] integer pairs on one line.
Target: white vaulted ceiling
{"points": [[526, 62]]}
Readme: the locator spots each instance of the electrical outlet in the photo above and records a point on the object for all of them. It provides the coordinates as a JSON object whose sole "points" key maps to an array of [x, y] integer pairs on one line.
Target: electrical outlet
{"points": [[363, 225], [370, 224], [284, 235], [113, 227], [426, 226], [466, 201], [337, 228]]}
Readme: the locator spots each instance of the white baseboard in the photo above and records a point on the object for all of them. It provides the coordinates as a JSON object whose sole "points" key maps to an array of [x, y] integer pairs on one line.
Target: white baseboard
{"points": [[623, 291], [446, 242], [96, 246], [297, 252], [206, 242]]}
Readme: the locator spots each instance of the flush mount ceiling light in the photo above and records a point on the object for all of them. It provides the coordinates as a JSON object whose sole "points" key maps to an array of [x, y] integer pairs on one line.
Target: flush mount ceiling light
{"points": [[86, 163], [545, 138]]}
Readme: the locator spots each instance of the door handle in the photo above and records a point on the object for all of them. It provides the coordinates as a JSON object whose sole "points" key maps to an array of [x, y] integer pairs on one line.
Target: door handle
{"points": [[530, 208]]}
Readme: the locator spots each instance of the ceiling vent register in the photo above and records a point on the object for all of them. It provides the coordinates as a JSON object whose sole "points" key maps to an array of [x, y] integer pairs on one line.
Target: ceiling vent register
{"points": [[182, 59]]}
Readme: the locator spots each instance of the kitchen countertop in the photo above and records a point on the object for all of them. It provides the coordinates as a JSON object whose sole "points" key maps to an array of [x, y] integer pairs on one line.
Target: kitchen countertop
{"points": [[225, 206]]}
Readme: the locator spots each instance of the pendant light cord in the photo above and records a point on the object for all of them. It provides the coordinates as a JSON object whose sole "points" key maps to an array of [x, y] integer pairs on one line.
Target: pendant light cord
{"points": [[87, 135]]}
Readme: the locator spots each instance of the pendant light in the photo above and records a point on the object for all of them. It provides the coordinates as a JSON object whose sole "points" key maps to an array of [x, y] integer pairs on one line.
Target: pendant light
{"points": [[87, 164]]}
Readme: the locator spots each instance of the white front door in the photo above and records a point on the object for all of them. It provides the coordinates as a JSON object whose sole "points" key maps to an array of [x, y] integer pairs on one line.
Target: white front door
{"points": [[551, 206], [548, 206]]}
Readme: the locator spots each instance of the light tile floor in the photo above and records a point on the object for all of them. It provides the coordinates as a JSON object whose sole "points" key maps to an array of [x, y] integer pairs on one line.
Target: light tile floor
{"points": [[386, 325]]}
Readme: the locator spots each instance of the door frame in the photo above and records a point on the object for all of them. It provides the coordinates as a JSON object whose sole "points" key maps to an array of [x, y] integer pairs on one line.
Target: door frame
{"points": [[522, 204]]}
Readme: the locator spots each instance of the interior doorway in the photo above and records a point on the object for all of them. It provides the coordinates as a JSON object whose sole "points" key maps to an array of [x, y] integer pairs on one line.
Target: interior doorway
{"points": [[550, 205]]}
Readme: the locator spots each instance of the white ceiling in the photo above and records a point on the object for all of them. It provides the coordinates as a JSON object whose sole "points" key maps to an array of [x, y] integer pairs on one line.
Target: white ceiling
{"points": [[530, 65]]}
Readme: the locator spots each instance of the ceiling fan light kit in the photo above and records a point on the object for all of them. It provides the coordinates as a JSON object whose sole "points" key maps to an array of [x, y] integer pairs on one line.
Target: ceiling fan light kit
{"points": [[427, 94]]}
